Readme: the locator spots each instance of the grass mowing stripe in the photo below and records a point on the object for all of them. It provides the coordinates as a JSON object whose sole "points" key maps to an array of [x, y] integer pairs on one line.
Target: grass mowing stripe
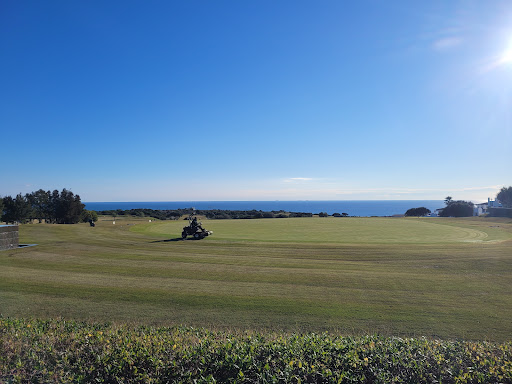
{"points": [[350, 274], [161, 307], [77, 284]]}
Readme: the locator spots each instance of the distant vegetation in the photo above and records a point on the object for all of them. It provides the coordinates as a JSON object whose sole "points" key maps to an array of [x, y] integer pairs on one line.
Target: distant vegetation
{"points": [[421, 211], [505, 197], [176, 214], [69, 351], [457, 208], [52, 207]]}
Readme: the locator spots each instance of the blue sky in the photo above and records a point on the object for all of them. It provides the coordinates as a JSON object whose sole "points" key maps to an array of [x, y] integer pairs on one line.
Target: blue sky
{"points": [[256, 100]]}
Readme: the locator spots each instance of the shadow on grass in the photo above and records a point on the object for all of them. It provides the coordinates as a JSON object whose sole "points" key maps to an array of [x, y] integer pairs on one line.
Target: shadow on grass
{"points": [[175, 239]]}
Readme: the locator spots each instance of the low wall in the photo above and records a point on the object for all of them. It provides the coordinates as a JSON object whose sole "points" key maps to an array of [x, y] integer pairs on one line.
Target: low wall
{"points": [[9, 237]]}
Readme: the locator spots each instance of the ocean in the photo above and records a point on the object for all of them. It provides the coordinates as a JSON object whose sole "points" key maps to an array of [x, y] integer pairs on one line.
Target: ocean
{"points": [[352, 207]]}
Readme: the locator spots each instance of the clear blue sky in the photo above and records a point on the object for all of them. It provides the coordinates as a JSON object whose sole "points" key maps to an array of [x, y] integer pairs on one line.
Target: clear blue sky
{"points": [[256, 100]]}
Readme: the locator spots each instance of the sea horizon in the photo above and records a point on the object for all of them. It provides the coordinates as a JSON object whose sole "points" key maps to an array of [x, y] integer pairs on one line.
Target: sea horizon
{"points": [[351, 207]]}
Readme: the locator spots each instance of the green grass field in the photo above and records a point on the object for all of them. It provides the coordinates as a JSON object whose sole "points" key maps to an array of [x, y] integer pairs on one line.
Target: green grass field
{"points": [[447, 278]]}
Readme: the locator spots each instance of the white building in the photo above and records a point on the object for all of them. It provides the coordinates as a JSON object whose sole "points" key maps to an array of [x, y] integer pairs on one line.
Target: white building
{"points": [[435, 213], [493, 204], [482, 209]]}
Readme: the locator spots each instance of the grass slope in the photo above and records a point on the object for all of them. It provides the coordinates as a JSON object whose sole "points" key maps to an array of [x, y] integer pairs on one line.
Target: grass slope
{"points": [[448, 278]]}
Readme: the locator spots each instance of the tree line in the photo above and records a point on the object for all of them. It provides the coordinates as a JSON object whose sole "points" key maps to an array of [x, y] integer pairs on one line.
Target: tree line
{"points": [[66, 208], [216, 214], [53, 207], [219, 214], [462, 208]]}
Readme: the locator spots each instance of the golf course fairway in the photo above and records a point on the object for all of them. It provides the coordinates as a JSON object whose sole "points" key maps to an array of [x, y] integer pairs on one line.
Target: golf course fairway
{"points": [[434, 277]]}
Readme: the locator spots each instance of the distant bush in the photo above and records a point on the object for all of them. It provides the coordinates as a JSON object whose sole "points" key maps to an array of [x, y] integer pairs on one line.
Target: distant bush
{"points": [[222, 216], [421, 211], [301, 214], [457, 208], [88, 216]]}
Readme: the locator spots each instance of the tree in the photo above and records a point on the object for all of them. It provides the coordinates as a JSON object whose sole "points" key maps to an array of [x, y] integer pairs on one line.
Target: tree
{"points": [[17, 210], [40, 202], [448, 200], [70, 208], [421, 211], [505, 197], [458, 208], [65, 208], [1, 208], [87, 216], [53, 206]]}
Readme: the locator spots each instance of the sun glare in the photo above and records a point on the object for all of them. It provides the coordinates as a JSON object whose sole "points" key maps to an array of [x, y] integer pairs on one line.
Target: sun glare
{"points": [[506, 56], [501, 60]]}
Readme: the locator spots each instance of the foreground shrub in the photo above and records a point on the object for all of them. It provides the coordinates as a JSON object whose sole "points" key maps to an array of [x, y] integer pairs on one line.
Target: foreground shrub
{"points": [[73, 352]]}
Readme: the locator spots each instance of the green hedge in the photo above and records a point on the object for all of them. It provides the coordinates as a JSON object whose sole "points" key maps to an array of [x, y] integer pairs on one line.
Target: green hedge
{"points": [[500, 212], [73, 352]]}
